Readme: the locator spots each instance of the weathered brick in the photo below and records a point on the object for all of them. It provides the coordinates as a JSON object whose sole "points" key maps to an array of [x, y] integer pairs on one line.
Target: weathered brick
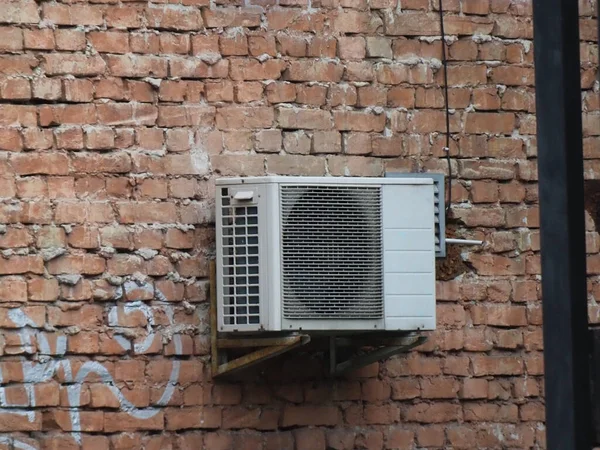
{"points": [[292, 118], [310, 415], [42, 39], [137, 66], [314, 71], [358, 121], [73, 64], [174, 17]]}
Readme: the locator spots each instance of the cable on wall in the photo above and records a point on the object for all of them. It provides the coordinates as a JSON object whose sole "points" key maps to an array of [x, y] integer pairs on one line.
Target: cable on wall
{"points": [[446, 107]]}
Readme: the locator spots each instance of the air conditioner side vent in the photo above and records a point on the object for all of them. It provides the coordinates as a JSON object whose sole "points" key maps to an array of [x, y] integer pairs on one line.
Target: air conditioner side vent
{"points": [[439, 205], [240, 306]]}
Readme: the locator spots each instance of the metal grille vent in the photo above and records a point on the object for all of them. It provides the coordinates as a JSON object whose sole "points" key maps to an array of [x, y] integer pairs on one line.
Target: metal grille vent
{"points": [[240, 262], [439, 189], [439, 206], [332, 252]]}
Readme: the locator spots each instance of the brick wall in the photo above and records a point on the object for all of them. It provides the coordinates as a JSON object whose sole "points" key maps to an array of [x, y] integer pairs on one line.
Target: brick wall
{"points": [[115, 119]]}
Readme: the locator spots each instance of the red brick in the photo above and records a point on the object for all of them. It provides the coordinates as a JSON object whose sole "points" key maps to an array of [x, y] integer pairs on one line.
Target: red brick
{"points": [[195, 68], [427, 121], [433, 413], [69, 138], [143, 42], [400, 438], [497, 365], [195, 417], [123, 422], [15, 89], [294, 46], [13, 290], [69, 39], [221, 91], [46, 394], [123, 16], [174, 43], [280, 92], [439, 388], [269, 141], [463, 50], [490, 123], [146, 212], [41, 289], [10, 140], [75, 264], [405, 388], [189, 115], [10, 422], [21, 264], [67, 114], [72, 14], [248, 92], [42, 39], [73, 64], [499, 315], [342, 95], [174, 17], [126, 114], [352, 48], [474, 388], [31, 187], [358, 121], [311, 95], [240, 417], [340, 439], [310, 439], [497, 265], [137, 66], [79, 90], [310, 415], [235, 44], [11, 39], [513, 76], [481, 412], [47, 89], [372, 96], [23, 11], [314, 71], [231, 17], [352, 21], [109, 41], [401, 97]]}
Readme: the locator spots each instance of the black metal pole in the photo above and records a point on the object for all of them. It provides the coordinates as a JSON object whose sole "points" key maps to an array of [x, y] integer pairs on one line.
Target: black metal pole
{"points": [[560, 164]]}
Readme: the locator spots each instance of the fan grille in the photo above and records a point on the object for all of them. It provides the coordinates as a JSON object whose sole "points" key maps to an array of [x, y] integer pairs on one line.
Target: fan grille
{"points": [[332, 247]]}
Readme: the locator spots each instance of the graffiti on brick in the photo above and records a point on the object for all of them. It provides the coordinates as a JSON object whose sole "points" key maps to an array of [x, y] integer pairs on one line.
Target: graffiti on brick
{"points": [[50, 359]]}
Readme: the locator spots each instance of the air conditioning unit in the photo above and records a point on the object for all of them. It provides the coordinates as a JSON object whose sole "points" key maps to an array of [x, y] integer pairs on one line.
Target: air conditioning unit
{"points": [[325, 254]]}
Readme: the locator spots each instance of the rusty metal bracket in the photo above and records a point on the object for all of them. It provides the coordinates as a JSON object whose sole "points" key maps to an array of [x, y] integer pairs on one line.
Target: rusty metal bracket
{"points": [[258, 356], [391, 347], [268, 347], [258, 342], [380, 345]]}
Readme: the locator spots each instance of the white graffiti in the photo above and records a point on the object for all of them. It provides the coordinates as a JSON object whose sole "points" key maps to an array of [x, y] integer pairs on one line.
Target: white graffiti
{"points": [[46, 367]]}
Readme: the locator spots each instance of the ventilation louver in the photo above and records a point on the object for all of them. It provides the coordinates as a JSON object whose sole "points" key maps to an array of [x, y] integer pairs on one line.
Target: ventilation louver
{"points": [[240, 262]]}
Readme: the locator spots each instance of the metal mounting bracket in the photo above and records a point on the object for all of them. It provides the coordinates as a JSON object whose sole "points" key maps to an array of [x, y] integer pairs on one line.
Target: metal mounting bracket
{"points": [[268, 347], [380, 345], [381, 348]]}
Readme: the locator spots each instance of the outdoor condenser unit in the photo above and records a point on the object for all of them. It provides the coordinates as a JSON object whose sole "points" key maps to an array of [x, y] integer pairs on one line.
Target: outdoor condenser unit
{"points": [[325, 254]]}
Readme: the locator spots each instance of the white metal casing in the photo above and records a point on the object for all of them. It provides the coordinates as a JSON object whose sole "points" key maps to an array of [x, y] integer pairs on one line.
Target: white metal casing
{"points": [[407, 256]]}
